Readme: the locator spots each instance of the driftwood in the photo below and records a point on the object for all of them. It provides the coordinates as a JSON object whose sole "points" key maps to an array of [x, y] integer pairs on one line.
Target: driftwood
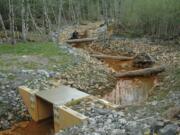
{"points": [[81, 40], [112, 57], [142, 72]]}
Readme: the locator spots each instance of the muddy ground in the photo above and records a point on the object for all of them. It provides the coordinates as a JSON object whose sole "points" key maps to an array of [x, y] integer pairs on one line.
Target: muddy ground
{"points": [[158, 112], [88, 74]]}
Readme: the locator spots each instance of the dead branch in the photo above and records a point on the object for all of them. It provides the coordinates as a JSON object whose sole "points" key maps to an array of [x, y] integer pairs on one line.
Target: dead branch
{"points": [[142, 72]]}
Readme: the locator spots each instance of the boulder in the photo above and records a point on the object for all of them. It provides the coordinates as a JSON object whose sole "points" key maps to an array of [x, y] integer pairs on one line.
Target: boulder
{"points": [[143, 60], [170, 129]]}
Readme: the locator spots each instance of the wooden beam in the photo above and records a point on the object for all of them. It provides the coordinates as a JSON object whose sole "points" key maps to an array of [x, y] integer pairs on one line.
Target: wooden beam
{"points": [[38, 108], [29, 98], [104, 102], [71, 41], [142, 72], [65, 117], [123, 58]]}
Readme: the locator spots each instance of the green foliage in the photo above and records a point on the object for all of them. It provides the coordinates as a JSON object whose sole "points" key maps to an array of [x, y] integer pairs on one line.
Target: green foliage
{"points": [[159, 18], [153, 17]]}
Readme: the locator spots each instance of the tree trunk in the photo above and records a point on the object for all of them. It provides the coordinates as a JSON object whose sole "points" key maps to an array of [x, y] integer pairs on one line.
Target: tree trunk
{"points": [[11, 20], [32, 18], [48, 24], [3, 26], [24, 34], [112, 57], [59, 20], [142, 72], [81, 40]]}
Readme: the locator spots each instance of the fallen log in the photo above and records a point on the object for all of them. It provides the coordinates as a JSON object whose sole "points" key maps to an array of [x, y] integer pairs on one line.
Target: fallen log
{"points": [[142, 72], [71, 41], [112, 57]]}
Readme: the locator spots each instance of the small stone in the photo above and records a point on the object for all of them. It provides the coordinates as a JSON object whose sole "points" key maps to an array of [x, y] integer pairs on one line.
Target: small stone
{"points": [[111, 116], [10, 116], [1, 99], [95, 133], [101, 131], [3, 87], [154, 103], [132, 123], [122, 121], [101, 111], [136, 131], [121, 114], [109, 121], [170, 129], [118, 132], [43, 72]]}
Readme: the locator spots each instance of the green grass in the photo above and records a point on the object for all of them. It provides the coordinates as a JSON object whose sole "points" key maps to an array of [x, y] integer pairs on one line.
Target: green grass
{"points": [[11, 56], [74, 102], [43, 49]]}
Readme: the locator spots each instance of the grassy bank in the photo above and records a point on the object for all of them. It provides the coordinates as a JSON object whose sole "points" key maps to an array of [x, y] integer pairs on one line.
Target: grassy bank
{"points": [[29, 48], [29, 55]]}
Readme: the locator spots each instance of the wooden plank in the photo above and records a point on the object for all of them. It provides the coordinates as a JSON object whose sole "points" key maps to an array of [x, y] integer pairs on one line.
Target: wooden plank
{"points": [[29, 99], [105, 102], [65, 117], [38, 108], [44, 109], [108, 104]]}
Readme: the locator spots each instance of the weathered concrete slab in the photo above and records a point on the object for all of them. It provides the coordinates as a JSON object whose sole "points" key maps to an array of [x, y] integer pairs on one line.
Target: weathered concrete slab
{"points": [[61, 95]]}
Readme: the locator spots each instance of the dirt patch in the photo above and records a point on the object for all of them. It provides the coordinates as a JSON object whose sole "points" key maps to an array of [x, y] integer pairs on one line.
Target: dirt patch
{"points": [[119, 66], [130, 91], [35, 59], [44, 127]]}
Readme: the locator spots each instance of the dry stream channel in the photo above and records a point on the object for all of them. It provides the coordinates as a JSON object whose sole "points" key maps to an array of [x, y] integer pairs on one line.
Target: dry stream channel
{"points": [[128, 91]]}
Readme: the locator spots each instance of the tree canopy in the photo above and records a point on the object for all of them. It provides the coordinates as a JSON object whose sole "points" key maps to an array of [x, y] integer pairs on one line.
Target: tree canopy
{"points": [[159, 18]]}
